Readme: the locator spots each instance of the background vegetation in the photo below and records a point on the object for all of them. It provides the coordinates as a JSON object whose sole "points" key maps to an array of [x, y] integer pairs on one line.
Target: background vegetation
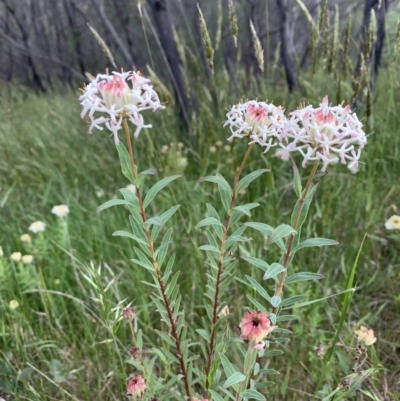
{"points": [[60, 342]]}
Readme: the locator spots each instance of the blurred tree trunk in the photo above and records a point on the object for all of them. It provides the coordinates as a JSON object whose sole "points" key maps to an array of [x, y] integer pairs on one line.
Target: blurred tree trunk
{"points": [[99, 5], [164, 26], [24, 29], [286, 51], [380, 33]]}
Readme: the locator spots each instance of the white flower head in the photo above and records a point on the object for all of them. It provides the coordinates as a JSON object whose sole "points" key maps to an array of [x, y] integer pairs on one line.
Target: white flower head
{"points": [[60, 210], [107, 99], [393, 223], [326, 133], [16, 256], [257, 120], [13, 304], [1, 252], [27, 259], [26, 238], [37, 226]]}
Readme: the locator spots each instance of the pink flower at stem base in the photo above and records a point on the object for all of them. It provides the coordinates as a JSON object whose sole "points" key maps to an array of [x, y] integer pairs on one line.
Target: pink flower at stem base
{"points": [[255, 327], [136, 387]]}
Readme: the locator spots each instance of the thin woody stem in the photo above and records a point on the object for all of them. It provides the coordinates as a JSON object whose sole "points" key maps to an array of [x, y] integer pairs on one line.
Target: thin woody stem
{"points": [[286, 259], [211, 346], [167, 303]]}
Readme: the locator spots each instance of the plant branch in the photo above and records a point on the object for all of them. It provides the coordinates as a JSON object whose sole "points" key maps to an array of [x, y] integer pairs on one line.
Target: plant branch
{"points": [[286, 260], [157, 269], [211, 346]]}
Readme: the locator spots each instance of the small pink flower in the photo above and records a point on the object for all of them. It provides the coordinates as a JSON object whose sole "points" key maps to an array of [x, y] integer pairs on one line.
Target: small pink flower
{"points": [[136, 387], [255, 326]]}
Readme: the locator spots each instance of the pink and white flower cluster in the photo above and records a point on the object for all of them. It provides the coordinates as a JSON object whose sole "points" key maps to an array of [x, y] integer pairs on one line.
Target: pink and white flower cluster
{"points": [[108, 99], [330, 134], [256, 120]]}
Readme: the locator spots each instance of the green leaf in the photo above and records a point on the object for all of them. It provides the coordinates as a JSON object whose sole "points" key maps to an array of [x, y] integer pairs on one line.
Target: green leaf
{"points": [[204, 333], [313, 301], [213, 213], [122, 233], [259, 288], [315, 242], [257, 262], [125, 162], [218, 179], [163, 218], [304, 210], [237, 377], [292, 300], [111, 203], [209, 221], [129, 196], [216, 396], [156, 188], [155, 221], [296, 179], [268, 230], [257, 304], [150, 171], [245, 181], [285, 318], [246, 208], [226, 197], [210, 248], [273, 271], [252, 395], [280, 232], [303, 276], [275, 301]]}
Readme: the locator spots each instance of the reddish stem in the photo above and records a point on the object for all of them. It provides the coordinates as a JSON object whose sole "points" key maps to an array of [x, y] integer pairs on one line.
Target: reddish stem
{"points": [[161, 284], [211, 346]]}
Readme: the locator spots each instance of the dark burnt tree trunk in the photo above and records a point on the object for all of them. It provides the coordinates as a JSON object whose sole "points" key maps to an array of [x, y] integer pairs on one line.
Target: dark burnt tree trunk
{"points": [[164, 25], [99, 4], [380, 33], [286, 48]]}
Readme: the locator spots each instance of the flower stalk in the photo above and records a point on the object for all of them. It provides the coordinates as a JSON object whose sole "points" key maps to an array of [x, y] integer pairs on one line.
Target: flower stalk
{"points": [[286, 260], [211, 346], [157, 269]]}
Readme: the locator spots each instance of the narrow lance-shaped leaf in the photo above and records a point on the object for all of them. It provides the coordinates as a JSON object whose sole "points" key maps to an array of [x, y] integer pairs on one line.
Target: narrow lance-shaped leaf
{"points": [[311, 242], [297, 180], [218, 179], [245, 181], [273, 271], [303, 276], [280, 232], [237, 377], [125, 162], [110, 203], [156, 188], [209, 221], [252, 395], [122, 233]]}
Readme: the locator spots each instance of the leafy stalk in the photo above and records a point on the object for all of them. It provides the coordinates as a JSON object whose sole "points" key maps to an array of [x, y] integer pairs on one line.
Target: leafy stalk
{"points": [[286, 259], [157, 270], [211, 346]]}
